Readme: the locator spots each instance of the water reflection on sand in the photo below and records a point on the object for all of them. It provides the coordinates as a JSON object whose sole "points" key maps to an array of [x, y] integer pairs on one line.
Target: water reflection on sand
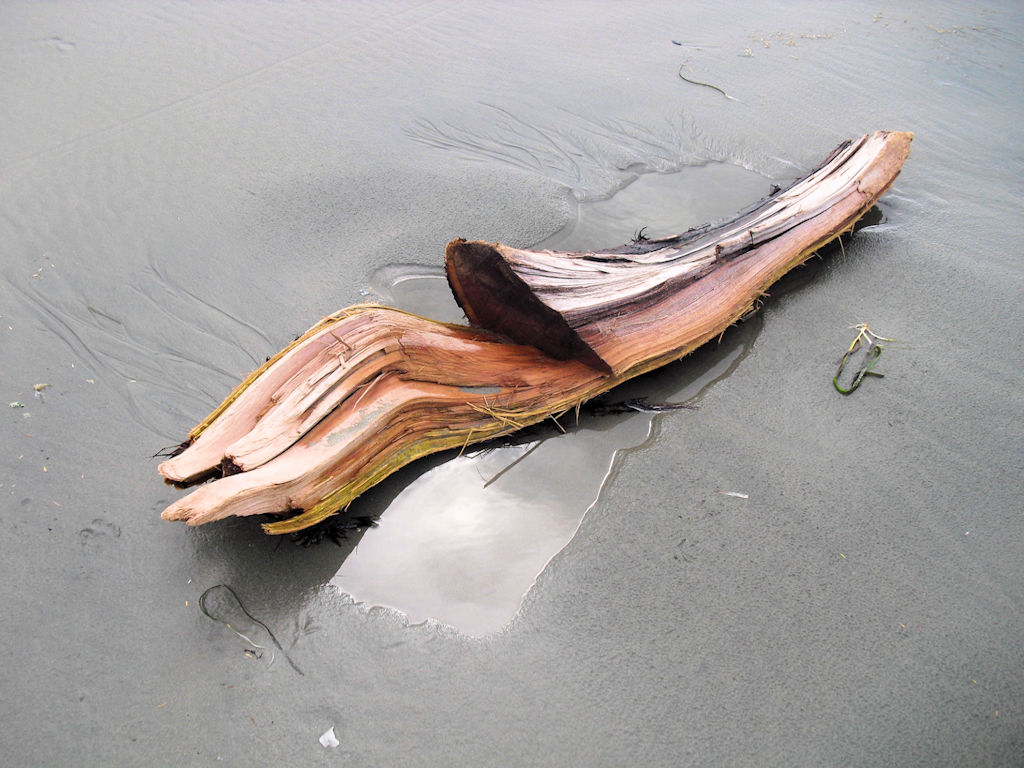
{"points": [[463, 542]]}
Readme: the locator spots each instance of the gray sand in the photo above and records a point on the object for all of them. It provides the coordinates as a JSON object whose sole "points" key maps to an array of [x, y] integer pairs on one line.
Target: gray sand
{"points": [[185, 188]]}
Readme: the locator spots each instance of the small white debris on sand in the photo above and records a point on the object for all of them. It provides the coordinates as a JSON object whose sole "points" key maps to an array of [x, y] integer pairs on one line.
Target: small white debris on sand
{"points": [[329, 739], [737, 494]]}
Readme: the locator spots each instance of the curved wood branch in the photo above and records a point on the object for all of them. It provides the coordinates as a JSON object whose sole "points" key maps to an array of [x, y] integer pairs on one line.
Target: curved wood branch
{"points": [[369, 389], [600, 308]]}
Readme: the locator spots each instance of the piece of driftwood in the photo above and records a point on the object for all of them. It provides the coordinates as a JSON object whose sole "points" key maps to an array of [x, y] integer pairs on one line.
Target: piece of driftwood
{"points": [[370, 388], [642, 304]]}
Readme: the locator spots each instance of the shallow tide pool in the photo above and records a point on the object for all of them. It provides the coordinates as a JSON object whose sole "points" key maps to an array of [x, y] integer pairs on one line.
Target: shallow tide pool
{"points": [[462, 542]]}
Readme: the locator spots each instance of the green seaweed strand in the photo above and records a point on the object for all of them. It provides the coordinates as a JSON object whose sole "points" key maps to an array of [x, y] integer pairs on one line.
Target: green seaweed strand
{"points": [[706, 85], [874, 352], [206, 612]]}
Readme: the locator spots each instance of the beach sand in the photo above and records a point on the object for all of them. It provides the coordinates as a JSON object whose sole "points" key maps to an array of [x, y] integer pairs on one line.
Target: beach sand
{"points": [[785, 576]]}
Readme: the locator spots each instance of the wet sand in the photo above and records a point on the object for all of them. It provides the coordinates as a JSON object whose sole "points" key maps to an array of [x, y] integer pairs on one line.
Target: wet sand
{"points": [[185, 188]]}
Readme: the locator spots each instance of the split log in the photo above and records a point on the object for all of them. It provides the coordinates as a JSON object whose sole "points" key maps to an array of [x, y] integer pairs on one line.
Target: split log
{"points": [[370, 389], [640, 305]]}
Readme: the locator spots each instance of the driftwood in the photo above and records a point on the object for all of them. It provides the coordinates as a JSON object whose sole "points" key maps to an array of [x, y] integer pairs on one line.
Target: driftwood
{"points": [[369, 389]]}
